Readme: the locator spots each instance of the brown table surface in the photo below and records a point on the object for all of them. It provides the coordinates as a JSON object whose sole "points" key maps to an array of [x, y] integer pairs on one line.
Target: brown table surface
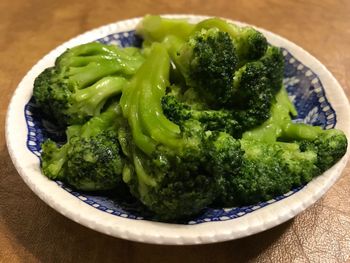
{"points": [[30, 231]]}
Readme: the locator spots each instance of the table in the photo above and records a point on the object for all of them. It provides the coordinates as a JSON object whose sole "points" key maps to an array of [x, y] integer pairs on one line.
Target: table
{"points": [[30, 231]]}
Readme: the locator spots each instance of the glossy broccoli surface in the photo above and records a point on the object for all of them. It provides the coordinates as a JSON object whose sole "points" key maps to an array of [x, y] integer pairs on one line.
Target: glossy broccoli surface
{"points": [[91, 159], [82, 80], [196, 118]]}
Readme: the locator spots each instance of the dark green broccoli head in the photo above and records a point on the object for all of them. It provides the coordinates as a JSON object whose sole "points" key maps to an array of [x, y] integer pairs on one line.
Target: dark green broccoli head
{"points": [[218, 120], [174, 110], [250, 44], [184, 188], [330, 146], [52, 96], [174, 186], [252, 102], [91, 159], [210, 59], [94, 163], [271, 169], [213, 120], [274, 62], [225, 159]]}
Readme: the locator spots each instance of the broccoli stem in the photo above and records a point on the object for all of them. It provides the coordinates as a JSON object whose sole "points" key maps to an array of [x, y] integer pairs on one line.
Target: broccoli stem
{"points": [[152, 117], [300, 131], [155, 28], [83, 61], [143, 178], [102, 122], [141, 103], [220, 24], [90, 100], [89, 49], [92, 72]]}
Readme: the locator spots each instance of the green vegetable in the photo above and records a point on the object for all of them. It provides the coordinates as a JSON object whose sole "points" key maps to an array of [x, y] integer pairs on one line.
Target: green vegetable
{"points": [[166, 160], [82, 80], [91, 159], [227, 65], [250, 43], [198, 117], [280, 155]]}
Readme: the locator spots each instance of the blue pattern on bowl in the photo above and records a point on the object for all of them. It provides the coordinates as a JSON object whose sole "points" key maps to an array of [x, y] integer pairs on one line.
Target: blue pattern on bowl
{"points": [[304, 88]]}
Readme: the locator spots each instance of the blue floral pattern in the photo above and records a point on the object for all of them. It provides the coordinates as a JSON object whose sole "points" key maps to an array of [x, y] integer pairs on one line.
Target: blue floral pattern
{"points": [[304, 89]]}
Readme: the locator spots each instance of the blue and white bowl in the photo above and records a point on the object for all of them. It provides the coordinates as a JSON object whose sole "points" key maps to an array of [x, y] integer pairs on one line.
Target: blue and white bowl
{"points": [[316, 94]]}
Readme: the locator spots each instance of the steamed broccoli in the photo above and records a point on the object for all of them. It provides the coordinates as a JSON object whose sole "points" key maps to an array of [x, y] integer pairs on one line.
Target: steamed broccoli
{"points": [[166, 164], [257, 83], [203, 119], [82, 80], [250, 43], [280, 155], [211, 120], [207, 62], [91, 159], [230, 67], [208, 55], [248, 100]]}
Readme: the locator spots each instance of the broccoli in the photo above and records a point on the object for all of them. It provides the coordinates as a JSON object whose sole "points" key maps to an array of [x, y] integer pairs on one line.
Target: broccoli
{"points": [[166, 163], [91, 159], [82, 80], [154, 28], [202, 120], [207, 62], [211, 120], [250, 43], [280, 155], [208, 55], [248, 101], [227, 65], [256, 85], [225, 160]]}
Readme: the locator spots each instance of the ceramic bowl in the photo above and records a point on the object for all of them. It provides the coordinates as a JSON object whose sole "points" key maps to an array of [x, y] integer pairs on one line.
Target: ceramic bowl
{"points": [[316, 94]]}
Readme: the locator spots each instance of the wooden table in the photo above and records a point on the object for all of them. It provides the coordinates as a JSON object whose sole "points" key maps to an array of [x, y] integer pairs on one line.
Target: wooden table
{"points": [[30, 231]]}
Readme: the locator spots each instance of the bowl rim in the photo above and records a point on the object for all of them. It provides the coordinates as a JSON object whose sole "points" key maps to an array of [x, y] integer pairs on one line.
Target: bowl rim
{"points": [[68, 205]]}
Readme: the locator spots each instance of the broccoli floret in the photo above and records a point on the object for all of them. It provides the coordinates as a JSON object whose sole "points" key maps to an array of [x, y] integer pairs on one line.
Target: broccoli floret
{"points": [[91, 158], [274, 63], [81, 81], [273, 168], [174, 185], [208, 60], [280, 155], [212, 120], [166, 166], [250, 44], [269, 170], [94, 163], [53, 159], [225, 160], [257, 84], [330, 145]]}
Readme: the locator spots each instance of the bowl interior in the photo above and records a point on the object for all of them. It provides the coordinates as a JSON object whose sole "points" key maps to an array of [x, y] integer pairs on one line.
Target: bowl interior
{"points": [[304, 88]]}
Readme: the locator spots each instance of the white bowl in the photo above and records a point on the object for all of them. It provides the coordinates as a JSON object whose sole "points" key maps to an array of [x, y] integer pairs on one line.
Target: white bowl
{"points": [[328, 106]]}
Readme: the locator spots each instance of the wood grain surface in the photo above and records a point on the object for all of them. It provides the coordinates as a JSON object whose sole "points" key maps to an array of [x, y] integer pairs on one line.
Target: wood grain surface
{"points": [[30, 231]]}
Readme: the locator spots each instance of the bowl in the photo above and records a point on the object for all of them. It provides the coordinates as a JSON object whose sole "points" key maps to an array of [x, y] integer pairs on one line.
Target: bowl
{"points": [[315, 92]]}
